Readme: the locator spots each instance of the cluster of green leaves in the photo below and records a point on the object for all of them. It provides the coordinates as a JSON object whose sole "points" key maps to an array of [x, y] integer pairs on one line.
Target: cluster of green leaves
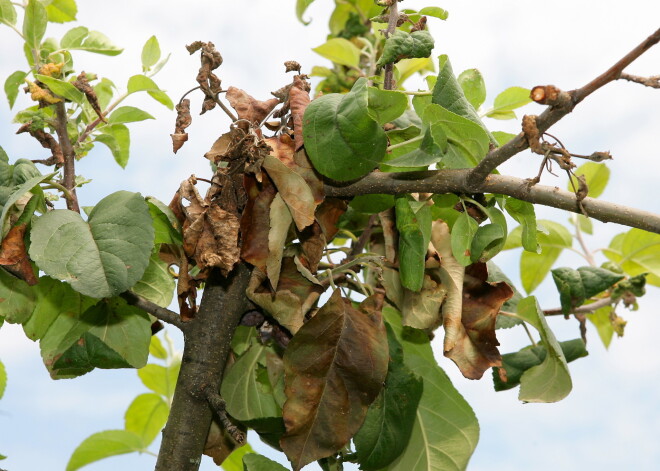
{"points": [[145, 416], [50, 63]]}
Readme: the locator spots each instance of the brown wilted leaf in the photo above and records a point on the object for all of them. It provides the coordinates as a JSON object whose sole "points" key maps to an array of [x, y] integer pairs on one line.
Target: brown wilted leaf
{"points": [[47, 141], [255, 220], [334, 369], [208, 81], [294, 297], [14, 257], [298, 101], [82, 84], [328, 214], [219, 148], [247, 107], [292, 66], [183, 120]]}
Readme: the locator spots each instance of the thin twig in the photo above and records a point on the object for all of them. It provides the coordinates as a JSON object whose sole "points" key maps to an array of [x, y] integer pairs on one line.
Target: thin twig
{"points": [[584, 309], [154, 309], [388, 84], [225, 109], [653, 81], [69, 168], [552, 114], [578, 235], [218, 405]]}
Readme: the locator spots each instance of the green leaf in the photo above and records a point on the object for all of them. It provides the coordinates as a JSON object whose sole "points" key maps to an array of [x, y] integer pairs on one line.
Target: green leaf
{"points": [[446, 431], [386, 105], [102, 257], [160, 379], [597, 175], [301, 7], [373, 203], [412, 245], [34, 24], [340, 51], [146, 417], [603, 323], [575, 286], [142, 83], [462, 234], [485, 240], [82, 39], [3, 379], [117, 138], [128, 114], [448, 93], [436, 12], [62, 11], [234, 462], [103, 445], [54, 298], [403, 45], [156, 285], [166, 226], [390, 418], [422, 155], [74, 38], [255, 462], [502, 137], [246, 396], [523, 213], [17, 298], [507, 101], [156, 348], [12, 83], [150, 53], [550, 381], [637, 252], [342, 140], [474, 87], [62, 88], [515, 364], [31, 185], [7, 13]]}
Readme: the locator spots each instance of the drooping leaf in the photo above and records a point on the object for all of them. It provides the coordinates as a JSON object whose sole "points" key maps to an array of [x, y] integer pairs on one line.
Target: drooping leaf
{"points": [[150, 53], [403, 45], [474, 88], [342, 140], [340, 51], [388, 425], [436, 12], [301, 7], [82, 39], [30, 185], [102, 257], [414, 232], [462, 234], [118, 139], [330, 382], [550, 381], [523, 213], [575, 286], [142, 83], [156, 348], [160, 379], [243, 388], [280, 223], [601, 319], [421, 310], [146, 417], [62, 11], [34, 23], [103, 445], [507, 101], [446, 431], [128, 114], [515, 364], [167, 227], [12, 83], [597, 175]]}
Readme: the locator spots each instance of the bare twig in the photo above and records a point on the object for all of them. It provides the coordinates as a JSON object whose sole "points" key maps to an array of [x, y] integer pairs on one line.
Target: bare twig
{"points": [[456, 181], [388, 84], [218, 405], [653, 81], [154, 309], [552, 114], [69, 156], [584, 309]]}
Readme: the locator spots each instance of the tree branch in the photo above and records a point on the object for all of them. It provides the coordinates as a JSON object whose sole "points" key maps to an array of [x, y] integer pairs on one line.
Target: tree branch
{"points": [[653, 81], [557, 111], [154, 309], [584, 309], [388, 83], [456, 181], [69, 156]]}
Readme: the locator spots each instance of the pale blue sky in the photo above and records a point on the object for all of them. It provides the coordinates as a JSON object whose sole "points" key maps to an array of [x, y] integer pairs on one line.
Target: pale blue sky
{"points": [[611, 419]]}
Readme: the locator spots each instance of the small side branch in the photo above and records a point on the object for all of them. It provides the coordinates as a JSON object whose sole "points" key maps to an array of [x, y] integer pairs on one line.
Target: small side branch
{"points": [[218, 405], [388, 83], [154, 309], [552, 114], [69, 156], [653, 81], [584, 309]]}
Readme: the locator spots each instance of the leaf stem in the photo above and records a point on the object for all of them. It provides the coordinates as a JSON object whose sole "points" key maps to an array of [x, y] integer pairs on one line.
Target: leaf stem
{"points": [[154, 309], [418, 93], [404, 143]]}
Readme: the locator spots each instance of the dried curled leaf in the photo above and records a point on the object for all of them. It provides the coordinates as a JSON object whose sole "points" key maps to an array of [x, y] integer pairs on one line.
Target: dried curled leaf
{"points": [[13, 254], [47, 141], [334, 369], [247, 107], [298, 101], [208, 81], [82, 84], [183, 120]]}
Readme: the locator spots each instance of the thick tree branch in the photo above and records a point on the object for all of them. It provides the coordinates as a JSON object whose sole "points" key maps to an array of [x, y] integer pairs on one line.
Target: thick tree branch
{"points": [[69, 156], [456, 181], [207, 343], [557, 111], [154, 309]]}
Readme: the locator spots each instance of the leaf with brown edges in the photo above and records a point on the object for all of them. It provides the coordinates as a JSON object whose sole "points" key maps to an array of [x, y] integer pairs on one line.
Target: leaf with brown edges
{"points": [[14, 257], [334, 369], [249, 108]]}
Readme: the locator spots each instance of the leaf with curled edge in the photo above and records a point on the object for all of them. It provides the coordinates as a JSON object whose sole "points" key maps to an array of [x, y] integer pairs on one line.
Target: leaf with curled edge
{"points": [[298, 101], [248, 107], [335, 367]]}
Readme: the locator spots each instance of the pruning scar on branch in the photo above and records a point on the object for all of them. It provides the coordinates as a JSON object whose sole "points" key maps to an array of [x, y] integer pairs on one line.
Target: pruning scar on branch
{"points": [[557, 111]]}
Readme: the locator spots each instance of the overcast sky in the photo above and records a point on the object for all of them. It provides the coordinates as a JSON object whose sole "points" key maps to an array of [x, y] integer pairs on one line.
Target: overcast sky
{"points": [[611, 419]]}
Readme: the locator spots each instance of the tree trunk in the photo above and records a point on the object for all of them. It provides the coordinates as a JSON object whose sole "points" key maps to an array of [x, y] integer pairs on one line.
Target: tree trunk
{"points": [[207, 342]]}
